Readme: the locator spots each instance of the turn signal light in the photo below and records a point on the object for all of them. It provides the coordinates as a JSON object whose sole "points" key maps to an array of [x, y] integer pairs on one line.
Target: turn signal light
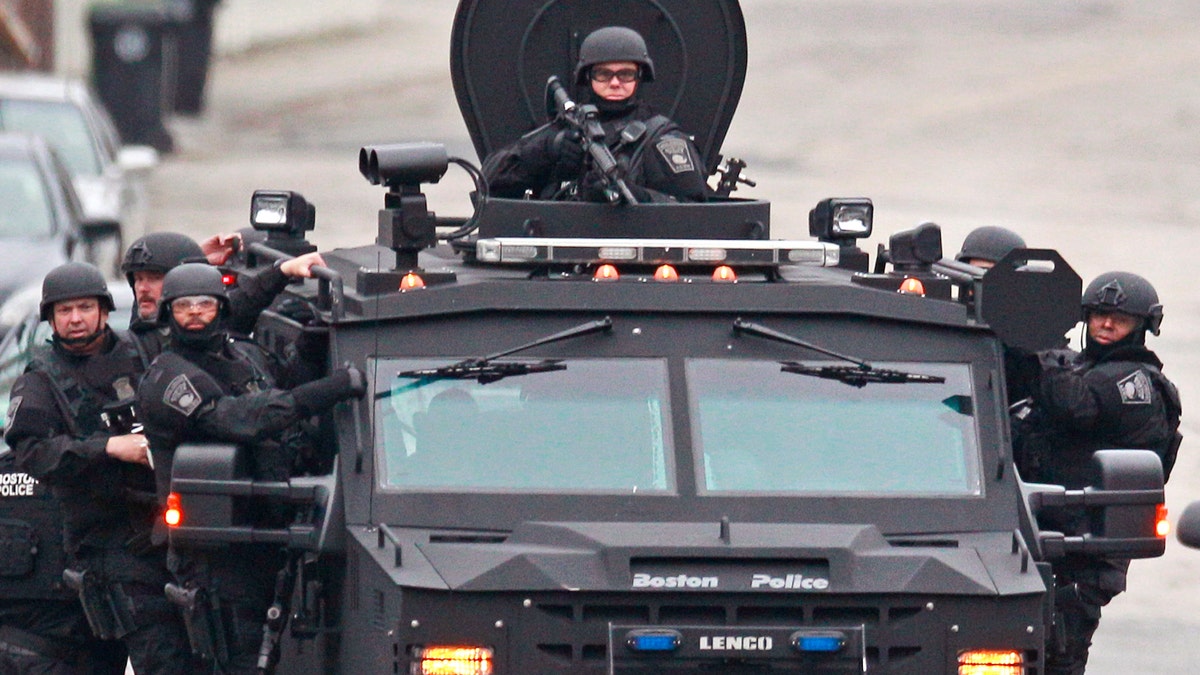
{"points": [[666, 273], [173, 516], [606, 273], [724, 274], [448, 660], [411, 282], [912, 286], [1162, 526], [991, 662]]}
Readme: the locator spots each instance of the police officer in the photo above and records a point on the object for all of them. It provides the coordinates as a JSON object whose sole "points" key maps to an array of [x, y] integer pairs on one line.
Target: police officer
{"points": [[149, 258], [1111, 395], [210, 387], [100, 474], [660, 163], [42, 627], [985, 246]]}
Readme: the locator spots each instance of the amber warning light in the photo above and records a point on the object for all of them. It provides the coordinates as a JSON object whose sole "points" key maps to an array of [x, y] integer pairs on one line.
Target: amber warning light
{"points": [[1162, 526], [173, 516]]}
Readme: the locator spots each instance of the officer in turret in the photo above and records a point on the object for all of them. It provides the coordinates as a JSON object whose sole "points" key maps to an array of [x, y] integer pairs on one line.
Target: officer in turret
{"points": [[1113, 394], [658, 160], [65, 431], [209, 386]]}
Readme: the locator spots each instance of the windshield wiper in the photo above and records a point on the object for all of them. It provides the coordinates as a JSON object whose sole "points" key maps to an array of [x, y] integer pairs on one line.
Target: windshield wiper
{"points": [[484, 370], [859, 375]]}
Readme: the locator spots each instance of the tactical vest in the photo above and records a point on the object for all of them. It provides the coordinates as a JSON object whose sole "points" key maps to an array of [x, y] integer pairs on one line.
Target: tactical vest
{"points": [[120, 498], [31, 537]]}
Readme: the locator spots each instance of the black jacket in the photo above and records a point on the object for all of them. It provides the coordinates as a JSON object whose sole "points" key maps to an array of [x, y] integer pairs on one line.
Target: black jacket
{"points": [[663, 165], [57, 436], [1083, 402]]}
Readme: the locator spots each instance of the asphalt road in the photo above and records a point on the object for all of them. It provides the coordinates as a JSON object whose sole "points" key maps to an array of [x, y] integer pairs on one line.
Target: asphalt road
{"points": [[1073, 122]]}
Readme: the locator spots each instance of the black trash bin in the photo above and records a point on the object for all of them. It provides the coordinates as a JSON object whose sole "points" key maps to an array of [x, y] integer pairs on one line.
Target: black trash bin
{"points": [[193, 44], [132, 60]]}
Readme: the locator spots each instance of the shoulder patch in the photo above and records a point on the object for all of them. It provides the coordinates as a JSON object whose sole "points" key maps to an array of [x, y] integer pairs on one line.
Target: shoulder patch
{"points": [[181, 395], [1136, 389], [676, 154], [13, 405]]}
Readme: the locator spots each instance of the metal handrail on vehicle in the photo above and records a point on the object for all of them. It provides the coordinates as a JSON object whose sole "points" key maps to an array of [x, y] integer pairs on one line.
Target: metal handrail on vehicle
{"points": [[331, 290]]}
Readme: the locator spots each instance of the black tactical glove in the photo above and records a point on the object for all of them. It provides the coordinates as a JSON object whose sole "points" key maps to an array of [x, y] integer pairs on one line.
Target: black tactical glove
{"points": [[594, 187], [567, 148], [320, 395]]}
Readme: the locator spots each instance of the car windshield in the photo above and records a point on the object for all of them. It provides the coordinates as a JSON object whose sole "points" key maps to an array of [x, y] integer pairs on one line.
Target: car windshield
{"points": [[62, 124], [26, 208], [759, 429], [594, 426]]}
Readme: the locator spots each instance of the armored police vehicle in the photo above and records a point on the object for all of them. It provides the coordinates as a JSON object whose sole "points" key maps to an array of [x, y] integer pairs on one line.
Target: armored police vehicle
{"points": [[650, 438]]}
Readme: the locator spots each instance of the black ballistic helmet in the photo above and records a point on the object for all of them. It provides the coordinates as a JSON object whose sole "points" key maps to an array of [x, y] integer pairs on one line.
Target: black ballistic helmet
{"points": [[989, 243], [613, 43], [160, 252], [191, 279], [1127, 293], [74, 280]]}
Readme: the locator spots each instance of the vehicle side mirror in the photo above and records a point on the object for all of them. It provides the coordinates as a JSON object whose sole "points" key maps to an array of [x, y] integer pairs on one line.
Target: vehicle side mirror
{"points": [[214, 498], [1187, 530], [137, 158], [1119, 513]]}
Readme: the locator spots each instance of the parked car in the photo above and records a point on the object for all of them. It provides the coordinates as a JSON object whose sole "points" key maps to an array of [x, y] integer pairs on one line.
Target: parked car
{"points": [[42, 223], [29, 331], [109, 177]]}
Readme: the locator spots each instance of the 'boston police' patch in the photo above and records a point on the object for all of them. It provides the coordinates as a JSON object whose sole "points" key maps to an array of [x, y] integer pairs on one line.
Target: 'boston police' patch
{"points": [[675, 152], [182, 395], [1136, 389]]}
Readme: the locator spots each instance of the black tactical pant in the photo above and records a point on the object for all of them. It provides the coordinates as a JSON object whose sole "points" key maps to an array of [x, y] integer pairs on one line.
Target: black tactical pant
{"points": [[1080, 592], [242, 580], [156, 642]]}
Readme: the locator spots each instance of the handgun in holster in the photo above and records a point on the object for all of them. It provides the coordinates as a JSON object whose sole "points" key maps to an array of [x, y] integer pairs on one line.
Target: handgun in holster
{"points": [[109, 612], [202, 619]]}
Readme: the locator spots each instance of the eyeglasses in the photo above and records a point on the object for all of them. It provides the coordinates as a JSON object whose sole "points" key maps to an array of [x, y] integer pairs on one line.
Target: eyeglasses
{"points": [[625, 75], [202, 303]]}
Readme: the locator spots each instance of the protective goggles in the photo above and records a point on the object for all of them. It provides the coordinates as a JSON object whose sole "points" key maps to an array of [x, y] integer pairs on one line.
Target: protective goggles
{"points": [[202, 303]]}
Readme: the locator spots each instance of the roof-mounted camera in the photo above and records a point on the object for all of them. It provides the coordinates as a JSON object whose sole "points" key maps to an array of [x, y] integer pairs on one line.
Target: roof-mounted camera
{"points": [[285, 216], [403, 164], [405, 223]]}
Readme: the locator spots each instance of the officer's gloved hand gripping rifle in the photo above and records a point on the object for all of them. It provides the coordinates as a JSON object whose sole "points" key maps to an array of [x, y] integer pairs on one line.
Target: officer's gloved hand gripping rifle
{"points": [[583, 118]]}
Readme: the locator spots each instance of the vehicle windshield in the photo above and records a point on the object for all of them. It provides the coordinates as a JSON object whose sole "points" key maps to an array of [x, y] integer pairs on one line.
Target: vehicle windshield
{"points": [[595, 426], [26, 208], [758, 429], [61, 124], [604, 425]]}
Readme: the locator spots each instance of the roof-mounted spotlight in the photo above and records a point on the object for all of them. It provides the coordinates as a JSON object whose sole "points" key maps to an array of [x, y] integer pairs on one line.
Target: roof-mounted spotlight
{"points": [[843, 221], [285, 216], [917, 248]]}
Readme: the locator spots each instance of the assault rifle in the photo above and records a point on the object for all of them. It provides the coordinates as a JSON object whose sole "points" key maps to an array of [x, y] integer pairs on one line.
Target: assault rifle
{"points": [[583, 118]]}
